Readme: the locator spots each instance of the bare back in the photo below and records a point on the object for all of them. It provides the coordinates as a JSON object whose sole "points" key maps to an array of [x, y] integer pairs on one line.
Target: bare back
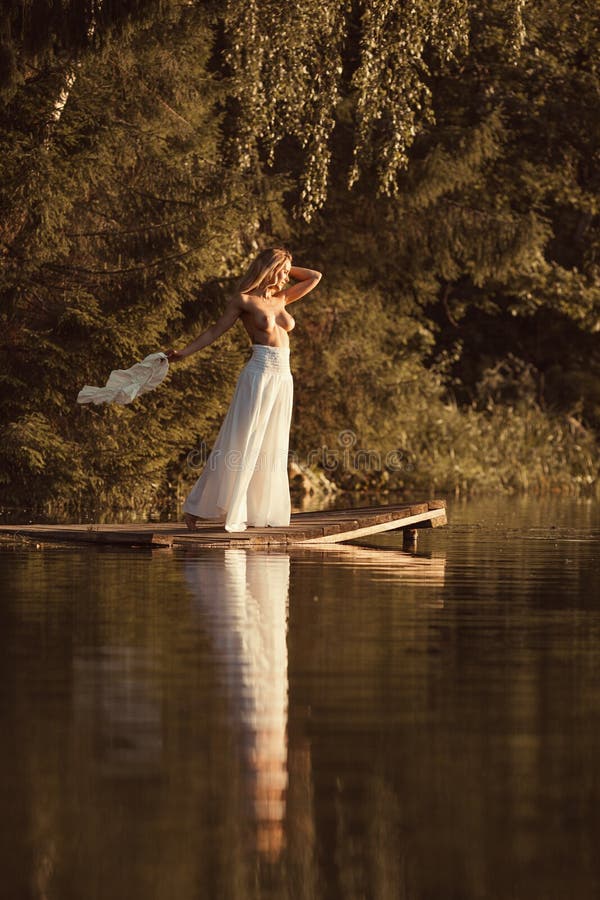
{"points": [[266, 321]]}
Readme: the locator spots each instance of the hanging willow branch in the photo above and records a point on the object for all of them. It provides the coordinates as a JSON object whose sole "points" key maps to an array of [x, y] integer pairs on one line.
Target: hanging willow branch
{"points": [[284, 63], [286, 70]]}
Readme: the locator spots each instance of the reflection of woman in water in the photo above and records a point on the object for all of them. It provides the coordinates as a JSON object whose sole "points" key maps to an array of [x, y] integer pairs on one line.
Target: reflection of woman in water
{"points": [[245, 480], [245, 600]]}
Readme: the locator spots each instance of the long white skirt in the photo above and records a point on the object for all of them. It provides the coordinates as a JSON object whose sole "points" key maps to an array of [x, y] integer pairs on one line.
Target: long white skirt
{"points": [[245, 479]]}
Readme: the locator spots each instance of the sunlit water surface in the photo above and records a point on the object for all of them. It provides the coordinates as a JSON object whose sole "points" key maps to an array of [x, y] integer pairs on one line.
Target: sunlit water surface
{"points": [[350, 722]]}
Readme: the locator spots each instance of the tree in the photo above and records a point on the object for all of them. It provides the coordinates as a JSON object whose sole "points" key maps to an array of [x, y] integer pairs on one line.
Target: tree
{"points": [[433, 159], [131, 236]]}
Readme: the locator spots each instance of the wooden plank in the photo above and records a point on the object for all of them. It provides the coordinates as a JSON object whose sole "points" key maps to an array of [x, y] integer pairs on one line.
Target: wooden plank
{"points": [[392, 525], [381, 520], [436, 522], [351, 513], [244, 539], [91, 535]]}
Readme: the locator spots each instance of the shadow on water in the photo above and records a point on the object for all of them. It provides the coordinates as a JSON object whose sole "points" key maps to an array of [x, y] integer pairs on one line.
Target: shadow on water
{"points": [[343, 722]]}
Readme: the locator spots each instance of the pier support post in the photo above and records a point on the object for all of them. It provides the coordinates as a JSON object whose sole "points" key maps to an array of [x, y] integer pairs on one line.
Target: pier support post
{"points": [[409, 539]]}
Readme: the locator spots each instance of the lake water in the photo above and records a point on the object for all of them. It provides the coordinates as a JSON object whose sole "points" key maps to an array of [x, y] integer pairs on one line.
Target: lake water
{"points": [[341, 723]]}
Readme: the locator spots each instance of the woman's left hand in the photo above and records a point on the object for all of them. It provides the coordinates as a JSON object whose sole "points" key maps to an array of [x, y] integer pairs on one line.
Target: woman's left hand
{"points": [[173, 355]]}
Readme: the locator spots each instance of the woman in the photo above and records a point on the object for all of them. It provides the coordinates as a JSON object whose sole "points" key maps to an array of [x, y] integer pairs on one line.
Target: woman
{"points": [[245, 480]]}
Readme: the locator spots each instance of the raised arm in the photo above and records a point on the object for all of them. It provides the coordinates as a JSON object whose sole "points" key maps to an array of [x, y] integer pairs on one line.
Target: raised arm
{"points": [[307, 280], [229, 318]]}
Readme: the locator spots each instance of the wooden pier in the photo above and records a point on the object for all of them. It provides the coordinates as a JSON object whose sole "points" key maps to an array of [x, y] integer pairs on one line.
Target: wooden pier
{"points": [[306, 529]]}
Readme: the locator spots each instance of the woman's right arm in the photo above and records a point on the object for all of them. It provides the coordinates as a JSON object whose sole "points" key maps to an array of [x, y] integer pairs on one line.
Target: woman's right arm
{"points": [[229, 318]]}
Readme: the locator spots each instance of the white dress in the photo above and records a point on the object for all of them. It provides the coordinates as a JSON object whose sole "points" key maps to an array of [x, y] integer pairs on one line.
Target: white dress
{"points": [[245, 479]]}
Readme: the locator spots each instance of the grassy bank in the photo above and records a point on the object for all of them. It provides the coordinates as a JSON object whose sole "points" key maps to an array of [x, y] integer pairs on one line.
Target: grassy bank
{"points": [[504, 449]]}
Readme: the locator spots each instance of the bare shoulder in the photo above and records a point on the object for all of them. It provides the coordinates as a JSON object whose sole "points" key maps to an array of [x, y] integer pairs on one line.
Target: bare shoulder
{"points": [[231, 313], [235, 301], [243, 300]]}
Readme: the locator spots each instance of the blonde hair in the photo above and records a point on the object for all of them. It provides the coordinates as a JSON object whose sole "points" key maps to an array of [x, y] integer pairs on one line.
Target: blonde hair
{"points": [[265, 270]]}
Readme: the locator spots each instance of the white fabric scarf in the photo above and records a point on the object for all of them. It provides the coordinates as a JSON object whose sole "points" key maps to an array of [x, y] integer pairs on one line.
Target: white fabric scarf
{"points": [[124, 385]]}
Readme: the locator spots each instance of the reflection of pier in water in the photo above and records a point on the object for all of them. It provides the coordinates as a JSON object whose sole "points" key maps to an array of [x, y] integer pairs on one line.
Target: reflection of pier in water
{"points": [[137, 769], [243, 595], [384, 564], [242, 598]]}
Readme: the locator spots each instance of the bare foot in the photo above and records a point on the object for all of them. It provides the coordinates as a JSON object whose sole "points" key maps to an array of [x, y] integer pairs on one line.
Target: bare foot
{"points": [[190, 521]]}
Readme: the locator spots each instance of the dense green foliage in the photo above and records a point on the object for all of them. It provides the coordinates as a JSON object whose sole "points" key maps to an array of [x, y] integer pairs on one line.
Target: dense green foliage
{"points": [[437, 161]]}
